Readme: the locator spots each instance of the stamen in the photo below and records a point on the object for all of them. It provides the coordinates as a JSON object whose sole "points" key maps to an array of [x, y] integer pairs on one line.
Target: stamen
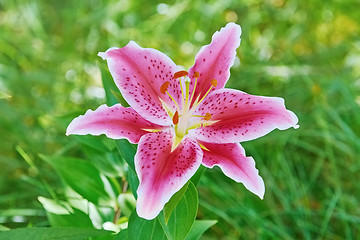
{"points": [[163, 90], [176, 104], [177, 141], [201, 124], [186, 95], [182, 93], [176, 118], [164, 87], [197, 103], [203, 147], [196, 75], [180, 74], [166, 107], [214, 82], [207, 116], [151, 130]]}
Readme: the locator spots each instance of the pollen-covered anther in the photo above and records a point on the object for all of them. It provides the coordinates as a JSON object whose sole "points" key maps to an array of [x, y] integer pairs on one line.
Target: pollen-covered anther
{"points": [[176, 118], [214, 82], [207, 116], [164, 87], [196, 74], [180, 74]]}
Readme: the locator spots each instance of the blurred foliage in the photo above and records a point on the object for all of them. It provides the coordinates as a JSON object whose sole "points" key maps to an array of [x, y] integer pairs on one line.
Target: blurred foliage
{"points": [[307, 52]]}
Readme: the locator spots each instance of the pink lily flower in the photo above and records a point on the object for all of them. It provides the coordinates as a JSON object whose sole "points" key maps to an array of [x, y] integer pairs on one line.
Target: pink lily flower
{"points": [[183, 119]]}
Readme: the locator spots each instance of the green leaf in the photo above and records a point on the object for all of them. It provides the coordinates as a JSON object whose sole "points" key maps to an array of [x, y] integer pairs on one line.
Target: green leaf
{"points": [[196, 178], [127, 151], [183, 216], [93, 142], [139, 228], [120, 98], [3, 228], [109, 85], [108, 163], [133, 181], [75, 219], [56, 207], [4, 95], [81, 176], [122, 235], [113, 95], [127, 203], [61, 214], [198, 229], [52, 234], [170, 206]]}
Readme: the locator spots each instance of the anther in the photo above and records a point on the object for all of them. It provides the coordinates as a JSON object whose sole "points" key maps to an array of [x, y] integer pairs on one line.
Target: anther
{"points": [[207, 116], [196, 74], [214, 82], [164, 87], [180, 74], [176, 118], [163, 90]]}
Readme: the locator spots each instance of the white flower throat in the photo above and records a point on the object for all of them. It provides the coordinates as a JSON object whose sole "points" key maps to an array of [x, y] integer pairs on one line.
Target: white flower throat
{"points": [[183, 119]]}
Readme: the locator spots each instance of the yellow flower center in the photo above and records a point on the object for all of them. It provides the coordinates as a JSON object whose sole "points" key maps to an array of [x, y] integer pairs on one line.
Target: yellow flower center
{"points": [[183, 119]]}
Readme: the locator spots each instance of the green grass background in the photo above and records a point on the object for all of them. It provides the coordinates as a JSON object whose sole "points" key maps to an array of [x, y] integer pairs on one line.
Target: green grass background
{"points": [[307, 52]]}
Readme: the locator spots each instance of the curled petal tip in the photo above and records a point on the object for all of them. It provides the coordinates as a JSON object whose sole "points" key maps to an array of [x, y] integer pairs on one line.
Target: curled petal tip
{"points": [[234, 25], [70, 128], [145, 215], [295, 120], [102, 55], [233, 162], [261, 194], [259, 189], [132, 43]]}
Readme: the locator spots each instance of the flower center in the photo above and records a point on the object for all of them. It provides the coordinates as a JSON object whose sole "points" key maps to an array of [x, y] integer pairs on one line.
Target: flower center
{"points": [[183, 119]]}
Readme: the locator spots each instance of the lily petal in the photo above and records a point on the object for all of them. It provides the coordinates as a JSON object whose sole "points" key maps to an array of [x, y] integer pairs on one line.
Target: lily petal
{"points": [[213, 61], [162, 172], [232, 161], [241, 116], [139, 73], [115, 122]]}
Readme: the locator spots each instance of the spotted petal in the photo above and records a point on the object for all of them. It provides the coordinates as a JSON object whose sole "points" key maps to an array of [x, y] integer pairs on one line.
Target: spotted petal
{"points": [[139, 73], [242, 117], [234, 164], [214, 60], [162, 172], [115, 122]]}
